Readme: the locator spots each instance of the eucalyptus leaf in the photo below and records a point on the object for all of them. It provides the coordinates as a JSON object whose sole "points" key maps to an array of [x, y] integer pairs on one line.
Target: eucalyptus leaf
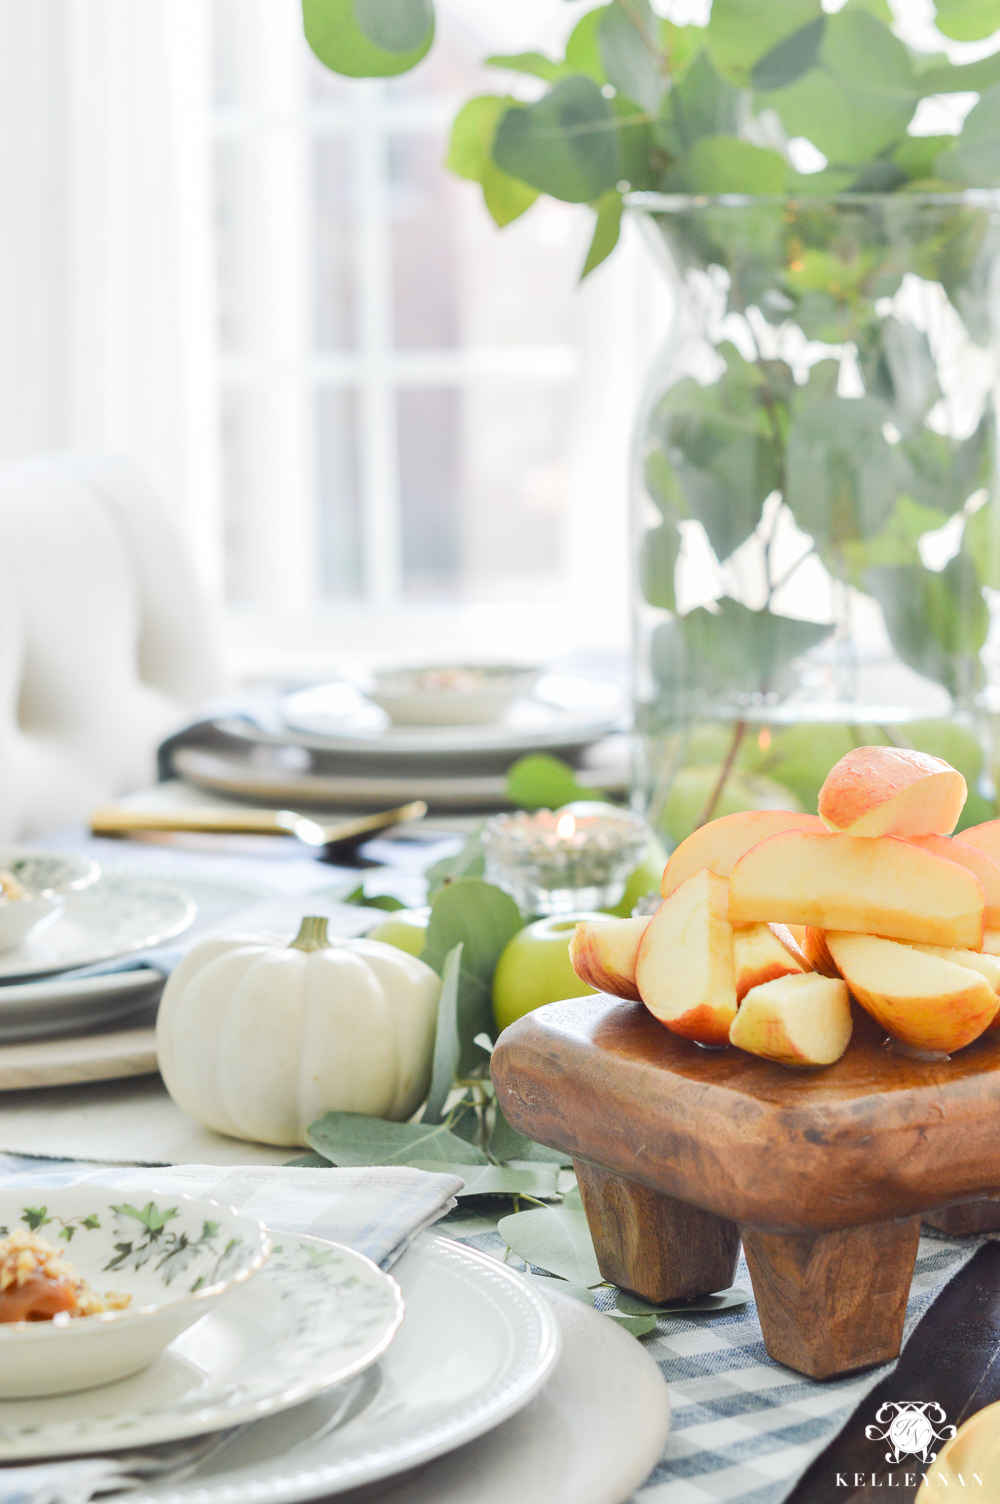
{"points": [[968, 20], [842, 478], [469, 861], [721, 164], [626, 39], [658, 555], [723, 447], [309, 1162], [350, 1138], [639, 1326], [722, 1300], [703, 104], [944, 472], [896, 543], [539, 781], [564, 145], [447, 1048], [333, 33], [607, 229], [937, 622], [470, 155], [981, 541], [860, 97], [732, 649], [485, 919], [583, 51], [961, 78], [549, 1283], [975, 157], [496, 1180], [534, 63], [554, 1238], [789, 58], [742, 32], [396, 25]]}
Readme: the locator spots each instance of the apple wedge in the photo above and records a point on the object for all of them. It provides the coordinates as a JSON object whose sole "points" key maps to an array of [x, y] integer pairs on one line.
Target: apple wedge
{"points": [[801, 1019], [720, 844], [957, 849], [684, 970], [920, 998], [872, 885], [991, 942], [603, 954], [985, 837], [815, 949], [762, 952], [892, 791]]}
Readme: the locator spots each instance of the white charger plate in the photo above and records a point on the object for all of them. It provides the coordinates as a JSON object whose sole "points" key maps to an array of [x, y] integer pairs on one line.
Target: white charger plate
{"points": [[315, 1315], [117, 914], [563, 711], [132, 910], [590, 1436]]}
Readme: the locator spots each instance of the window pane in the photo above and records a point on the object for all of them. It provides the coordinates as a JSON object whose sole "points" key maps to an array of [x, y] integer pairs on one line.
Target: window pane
{"points": [[430, 497], [334, 229], [339, 504]]}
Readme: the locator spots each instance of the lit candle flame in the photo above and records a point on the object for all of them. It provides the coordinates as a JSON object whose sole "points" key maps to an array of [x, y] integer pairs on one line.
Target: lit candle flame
{"points": [[565, 827]]}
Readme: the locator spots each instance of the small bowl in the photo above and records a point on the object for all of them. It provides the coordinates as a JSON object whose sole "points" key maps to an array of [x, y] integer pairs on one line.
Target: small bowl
{"points": [[46, 877], [175, 1255], [469, 694]]}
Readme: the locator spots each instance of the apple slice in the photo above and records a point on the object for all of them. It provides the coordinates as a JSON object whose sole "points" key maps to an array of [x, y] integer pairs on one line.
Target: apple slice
{"points": [[872, 885], [602, 953], [817, 952], [762, 952], [987, 966], [801, 1019], [720, 844], [957, 849], [892, 791], [920, 998], [684, 970], [991, 942]]}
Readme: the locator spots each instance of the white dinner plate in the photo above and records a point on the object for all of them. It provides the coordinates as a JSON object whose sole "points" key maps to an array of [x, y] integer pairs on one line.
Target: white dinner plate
{"points": [[314, 1316], [127, 910], [589, 1437], [563, 711]]}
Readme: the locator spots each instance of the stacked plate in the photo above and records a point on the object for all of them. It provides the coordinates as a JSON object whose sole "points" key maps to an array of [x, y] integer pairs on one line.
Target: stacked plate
{"points": [[301, 1386], [57, 1027], [332, 746]]}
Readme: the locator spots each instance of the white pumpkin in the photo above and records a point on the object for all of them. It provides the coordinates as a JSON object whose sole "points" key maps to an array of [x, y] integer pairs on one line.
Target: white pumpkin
{"points": [[257, 1038]]}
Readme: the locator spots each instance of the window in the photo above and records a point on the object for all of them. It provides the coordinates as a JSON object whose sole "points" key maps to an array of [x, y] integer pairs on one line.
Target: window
{"points": [[425, 420]]}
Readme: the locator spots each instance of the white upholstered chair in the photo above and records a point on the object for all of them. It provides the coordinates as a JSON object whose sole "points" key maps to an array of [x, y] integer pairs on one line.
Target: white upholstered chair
{"points": [[105, 643]]}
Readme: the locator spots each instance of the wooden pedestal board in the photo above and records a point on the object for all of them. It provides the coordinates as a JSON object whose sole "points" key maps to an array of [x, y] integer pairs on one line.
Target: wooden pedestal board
{"points": [[681, 1152]]}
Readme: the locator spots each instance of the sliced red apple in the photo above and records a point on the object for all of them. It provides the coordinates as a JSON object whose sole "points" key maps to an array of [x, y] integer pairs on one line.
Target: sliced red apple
{"points": [[817, 953], [870, 885], [603, 954], [892, 791], [957, 849], [762, 952], [720, 844], [685, 971], [920, 998], [801, 1019]]}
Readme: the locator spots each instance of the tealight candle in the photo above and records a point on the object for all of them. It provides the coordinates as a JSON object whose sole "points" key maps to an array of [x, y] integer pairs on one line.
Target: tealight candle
{"points": [[554, 861]]}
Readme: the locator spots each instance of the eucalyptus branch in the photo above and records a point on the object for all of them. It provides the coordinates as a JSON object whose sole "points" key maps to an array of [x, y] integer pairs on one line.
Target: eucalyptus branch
{"points": [[739, 731]]}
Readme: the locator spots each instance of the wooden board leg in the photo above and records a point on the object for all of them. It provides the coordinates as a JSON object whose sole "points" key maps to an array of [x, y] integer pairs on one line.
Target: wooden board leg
{"points": [[835, 1301], [660, 1248], [966, 1217]]}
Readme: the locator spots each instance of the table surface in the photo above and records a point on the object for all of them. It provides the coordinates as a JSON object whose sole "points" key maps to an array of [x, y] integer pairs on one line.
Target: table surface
{"points": [[952, 1358]]}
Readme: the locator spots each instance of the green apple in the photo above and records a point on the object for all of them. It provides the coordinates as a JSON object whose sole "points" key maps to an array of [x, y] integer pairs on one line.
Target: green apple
{"points": [[534, 968], [405, 928], [693, 787], [645, 879]]}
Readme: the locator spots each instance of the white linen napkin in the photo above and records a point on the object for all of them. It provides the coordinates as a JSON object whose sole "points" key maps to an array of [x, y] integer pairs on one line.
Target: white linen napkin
{"points": [[377, 1210]]}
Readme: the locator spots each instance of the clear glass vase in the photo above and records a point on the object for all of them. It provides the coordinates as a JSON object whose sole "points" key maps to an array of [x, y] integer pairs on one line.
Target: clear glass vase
{"points": [[816, 519]]}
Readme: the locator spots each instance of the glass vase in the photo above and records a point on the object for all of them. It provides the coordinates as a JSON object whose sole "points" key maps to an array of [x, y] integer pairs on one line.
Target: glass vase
{"points": [[816, 521]]}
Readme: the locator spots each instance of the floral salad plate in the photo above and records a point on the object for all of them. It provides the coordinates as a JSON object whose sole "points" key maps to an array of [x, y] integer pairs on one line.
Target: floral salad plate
{"points": [[174, 1258], [316, 1315]]}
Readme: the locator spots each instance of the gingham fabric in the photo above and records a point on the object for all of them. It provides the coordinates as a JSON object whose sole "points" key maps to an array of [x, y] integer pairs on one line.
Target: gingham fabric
{"points": [[744, 1427]]}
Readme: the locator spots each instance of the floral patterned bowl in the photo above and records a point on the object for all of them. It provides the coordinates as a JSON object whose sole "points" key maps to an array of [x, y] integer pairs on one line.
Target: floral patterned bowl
{"points": [[44, 878], [174, 1256]]}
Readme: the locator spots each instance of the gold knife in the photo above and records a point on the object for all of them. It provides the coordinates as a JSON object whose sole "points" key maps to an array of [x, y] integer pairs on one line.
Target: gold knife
{"points": [[121, 820]]}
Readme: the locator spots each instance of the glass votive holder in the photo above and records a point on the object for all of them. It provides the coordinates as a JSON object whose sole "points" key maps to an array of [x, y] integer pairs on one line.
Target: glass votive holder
{"points": [[555, 861]]}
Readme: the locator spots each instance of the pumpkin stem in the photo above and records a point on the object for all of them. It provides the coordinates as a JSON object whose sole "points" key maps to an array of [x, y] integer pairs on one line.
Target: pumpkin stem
{"points": [[312, 934]]}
